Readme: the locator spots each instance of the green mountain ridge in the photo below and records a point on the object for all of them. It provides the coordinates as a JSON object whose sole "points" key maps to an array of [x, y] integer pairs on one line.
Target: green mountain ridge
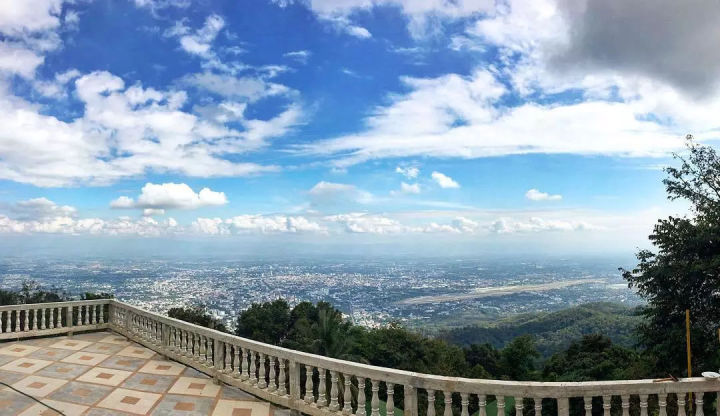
{"points": [[553, 331]]}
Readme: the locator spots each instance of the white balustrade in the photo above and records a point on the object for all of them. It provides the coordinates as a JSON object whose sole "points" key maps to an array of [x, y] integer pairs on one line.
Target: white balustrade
{"points": [[339, 387]]}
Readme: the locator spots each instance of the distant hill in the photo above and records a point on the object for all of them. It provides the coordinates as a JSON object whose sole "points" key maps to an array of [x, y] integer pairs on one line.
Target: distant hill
{"points": [[554, 331]]}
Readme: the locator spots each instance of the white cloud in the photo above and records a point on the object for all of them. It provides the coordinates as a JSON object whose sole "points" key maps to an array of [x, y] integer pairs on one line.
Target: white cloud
{"points": [[535, 224], [409, 172], [409, 188], [19, 60], [301, 56], [33, 16], [422, 15], [329, 193], [171, 196], [535, 195], [367, 223], [199, 42], [454, 116], [444, 181], [244, 224], [237, 88], [124, 132]]}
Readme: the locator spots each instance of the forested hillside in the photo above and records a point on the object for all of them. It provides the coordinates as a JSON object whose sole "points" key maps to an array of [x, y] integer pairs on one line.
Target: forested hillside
{"points": [[553, 331]]}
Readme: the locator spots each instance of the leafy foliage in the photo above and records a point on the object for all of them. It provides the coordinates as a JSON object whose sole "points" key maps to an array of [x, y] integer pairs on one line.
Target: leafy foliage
{"points": [[684, 271], [553, 331], [197, 315]]}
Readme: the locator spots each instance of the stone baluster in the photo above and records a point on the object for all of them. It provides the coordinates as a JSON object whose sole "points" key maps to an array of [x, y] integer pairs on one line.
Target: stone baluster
{"points": [[195, 347], [36, 318], [482, 405], [272, 385], [431, 402], [236, 362], [447, 398], [390, 404], [626, 405], [201, 349], [347, 394], [228, 359], [334, 404], [59, 318], [208, 351], [662, 404], [643, 405], [375, 399], [322, 400], [185, 341], [87, 315], [699, 411], [537, 406], [51, 324], [42, 318], [253, 368], [261, 372], [361, 397], [93, 318], [563, 406], [587, 404], [309, 397], [245, 373], [17, 321], [101, 314], [282, 389], [519, 405], [26, 327], [680, 403]]}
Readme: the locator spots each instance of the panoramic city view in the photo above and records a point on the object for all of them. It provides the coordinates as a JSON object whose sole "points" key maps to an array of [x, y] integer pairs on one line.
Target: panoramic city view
{"points": [[359, 207]]}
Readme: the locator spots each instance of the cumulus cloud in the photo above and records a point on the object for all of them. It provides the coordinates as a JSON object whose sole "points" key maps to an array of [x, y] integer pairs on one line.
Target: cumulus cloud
{"points": [[409, 172], [367, 223], [535, 224], [198, 42], [170, 196], [330, 192], [409, 188], [444, 181], [244, 224], [124, 131], [535, 195]]}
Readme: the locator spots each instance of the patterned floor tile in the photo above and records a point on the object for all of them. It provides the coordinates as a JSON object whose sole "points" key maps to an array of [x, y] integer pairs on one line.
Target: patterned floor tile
{"points": [[12, 402], [123, 363], [195, 387], [63, 370], [241, 408], [25, 365], [4, 359], [172, 405], [191, 372], [131, 401], [136, 351], [50, 354], [104, 376], [164, 368], [115, 339], [81, 393], [105, 412], [41, 342], [235, 393], [18, 350], [11, 377], [38, 386], [91, 336], [149, 382], [71, 344], [103, 348], [85, 358], [69, 409]]}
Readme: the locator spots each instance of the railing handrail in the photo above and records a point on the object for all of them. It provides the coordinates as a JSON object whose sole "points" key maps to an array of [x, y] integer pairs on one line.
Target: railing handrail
{"points": [[23, 306], [436, 382]]}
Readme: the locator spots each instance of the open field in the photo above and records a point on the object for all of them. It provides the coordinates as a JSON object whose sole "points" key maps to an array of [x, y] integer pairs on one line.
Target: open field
{"points": [[485, 292]]}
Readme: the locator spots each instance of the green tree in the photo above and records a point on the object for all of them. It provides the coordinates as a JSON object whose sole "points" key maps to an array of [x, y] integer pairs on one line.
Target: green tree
{"points": [[683, 272], [483, 360], [197, 315], [96, 295], [517, 359], [267, 322], [594, 357]]}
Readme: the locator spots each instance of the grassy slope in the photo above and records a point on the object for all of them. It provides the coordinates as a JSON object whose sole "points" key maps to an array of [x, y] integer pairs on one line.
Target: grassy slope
{"points": [[553, 331]]}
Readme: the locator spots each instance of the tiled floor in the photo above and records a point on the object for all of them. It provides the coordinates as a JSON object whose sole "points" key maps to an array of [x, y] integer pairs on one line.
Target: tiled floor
{"points": [[103, 373]]}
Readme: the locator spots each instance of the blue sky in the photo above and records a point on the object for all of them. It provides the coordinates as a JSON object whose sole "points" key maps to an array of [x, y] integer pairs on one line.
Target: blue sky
{"points": [[434, 123]]}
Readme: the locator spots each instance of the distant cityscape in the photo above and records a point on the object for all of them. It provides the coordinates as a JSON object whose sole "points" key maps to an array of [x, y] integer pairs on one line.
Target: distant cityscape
{"points": [[370, 292]]}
